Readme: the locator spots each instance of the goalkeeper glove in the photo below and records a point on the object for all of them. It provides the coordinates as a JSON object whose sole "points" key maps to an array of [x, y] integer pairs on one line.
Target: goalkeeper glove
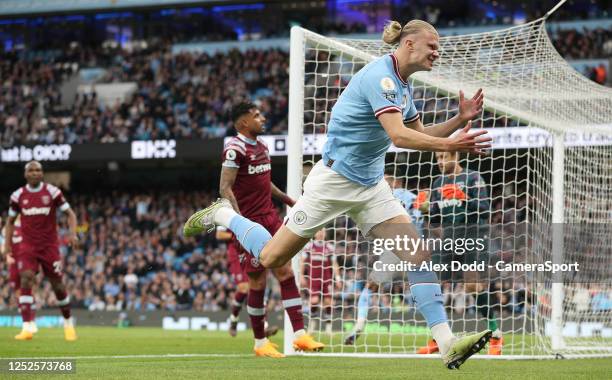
{"points": [[452, 191], [422, 202]]}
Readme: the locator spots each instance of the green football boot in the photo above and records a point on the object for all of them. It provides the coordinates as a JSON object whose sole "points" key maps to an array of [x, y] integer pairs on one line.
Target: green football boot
{"points": [[203, 220], [464, 347]]}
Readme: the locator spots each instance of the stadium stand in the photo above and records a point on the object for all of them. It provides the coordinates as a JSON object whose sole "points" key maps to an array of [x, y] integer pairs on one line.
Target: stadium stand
{"points": [[179, 96]]}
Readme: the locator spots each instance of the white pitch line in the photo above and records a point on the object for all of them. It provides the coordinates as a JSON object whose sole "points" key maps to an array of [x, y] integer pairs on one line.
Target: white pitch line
{"points": [[159, 356]]}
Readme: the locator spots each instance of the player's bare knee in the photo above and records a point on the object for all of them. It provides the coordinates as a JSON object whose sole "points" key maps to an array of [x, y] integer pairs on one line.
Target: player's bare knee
{"points": [[243, 287], [27, 279], [257, 281], [327, 301], [57, 284], [271, 259], [283, 273]]}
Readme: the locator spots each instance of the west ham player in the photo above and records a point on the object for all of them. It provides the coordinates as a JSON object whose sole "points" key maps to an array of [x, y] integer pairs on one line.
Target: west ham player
{"points": [[318, 269], [374, 110], [459, 203], [14, 272], [240, 279], [246, 183], [409, 201], [37, 203]]}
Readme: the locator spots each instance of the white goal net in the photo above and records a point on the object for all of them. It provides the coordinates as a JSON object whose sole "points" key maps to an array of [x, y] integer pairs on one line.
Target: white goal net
{"points": [[548, 185]]}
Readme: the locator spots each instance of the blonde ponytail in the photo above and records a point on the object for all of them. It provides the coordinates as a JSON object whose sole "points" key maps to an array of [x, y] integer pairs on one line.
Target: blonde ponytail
{"points": [[393, 32]]}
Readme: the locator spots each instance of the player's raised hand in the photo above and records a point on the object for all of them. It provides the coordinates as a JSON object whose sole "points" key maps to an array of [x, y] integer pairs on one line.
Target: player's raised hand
{"points": [[9, 259], [469, 142], [470, 108]]}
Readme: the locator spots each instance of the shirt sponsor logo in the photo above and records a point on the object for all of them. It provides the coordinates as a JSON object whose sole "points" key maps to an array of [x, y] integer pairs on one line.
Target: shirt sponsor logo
{"points": [[390, 96], [258, 169], [36, 211]]}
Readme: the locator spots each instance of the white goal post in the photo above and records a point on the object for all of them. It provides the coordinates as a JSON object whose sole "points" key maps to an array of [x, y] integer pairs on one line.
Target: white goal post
{"points": [[549, 180]]}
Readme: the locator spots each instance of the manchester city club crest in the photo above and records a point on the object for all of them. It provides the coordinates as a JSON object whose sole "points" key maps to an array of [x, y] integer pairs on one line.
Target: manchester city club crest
{"points": [[254, 262], [299, 218]]}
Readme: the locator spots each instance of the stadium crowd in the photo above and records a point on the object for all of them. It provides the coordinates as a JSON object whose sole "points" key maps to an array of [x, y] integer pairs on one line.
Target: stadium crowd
{"points": [[583, 44], [29, 90], [181, 96], [178, 96]]}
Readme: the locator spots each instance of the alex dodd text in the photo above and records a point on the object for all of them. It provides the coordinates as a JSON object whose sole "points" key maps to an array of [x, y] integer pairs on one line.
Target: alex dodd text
{"points": [[458, 266]]}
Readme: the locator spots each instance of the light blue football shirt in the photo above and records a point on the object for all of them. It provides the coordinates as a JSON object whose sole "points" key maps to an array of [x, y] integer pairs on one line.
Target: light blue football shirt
{"points": [[407, 198], [356, 141]]}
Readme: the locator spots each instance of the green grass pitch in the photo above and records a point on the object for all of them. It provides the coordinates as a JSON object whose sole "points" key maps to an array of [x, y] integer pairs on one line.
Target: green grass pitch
{"points": [[147, 353]]}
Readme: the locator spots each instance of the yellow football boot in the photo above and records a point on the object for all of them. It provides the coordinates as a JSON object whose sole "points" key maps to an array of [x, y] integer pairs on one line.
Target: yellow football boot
{"points": [[307, 343], [70, 333], [24, 335], [268, 350]]}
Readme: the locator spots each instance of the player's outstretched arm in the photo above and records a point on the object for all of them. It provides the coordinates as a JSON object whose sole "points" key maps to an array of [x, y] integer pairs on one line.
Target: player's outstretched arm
{"points": [[228, 178], [402, 137]]}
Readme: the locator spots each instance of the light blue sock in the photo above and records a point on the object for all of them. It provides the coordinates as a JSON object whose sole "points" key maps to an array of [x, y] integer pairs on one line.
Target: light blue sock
{"points": [[252, 236], [364, 303], [427, 295]]}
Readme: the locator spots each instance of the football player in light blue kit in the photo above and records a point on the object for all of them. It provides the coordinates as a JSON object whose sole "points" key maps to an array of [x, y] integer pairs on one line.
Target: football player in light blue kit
{"points": [[375, 110]]}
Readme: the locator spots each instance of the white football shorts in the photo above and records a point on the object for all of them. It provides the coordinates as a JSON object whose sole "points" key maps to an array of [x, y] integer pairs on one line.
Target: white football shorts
{"points": [[328, 194]]}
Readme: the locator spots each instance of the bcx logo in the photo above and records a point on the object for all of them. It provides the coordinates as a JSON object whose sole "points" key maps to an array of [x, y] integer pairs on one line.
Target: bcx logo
{"points": [[153, 149]]}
